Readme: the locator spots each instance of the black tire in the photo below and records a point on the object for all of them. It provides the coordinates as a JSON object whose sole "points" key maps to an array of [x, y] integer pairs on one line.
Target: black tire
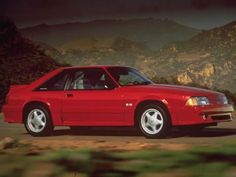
{"points": [[45, 130], [163, 129]]}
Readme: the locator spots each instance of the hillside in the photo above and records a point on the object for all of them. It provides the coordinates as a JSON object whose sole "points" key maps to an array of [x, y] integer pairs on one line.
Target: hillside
{"points": [[21, 61], [122, 51], [208, 59], [101, 33]]}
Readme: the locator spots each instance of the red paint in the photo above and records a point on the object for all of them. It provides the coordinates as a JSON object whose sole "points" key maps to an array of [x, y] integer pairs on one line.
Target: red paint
{"points": [[109, 107]]}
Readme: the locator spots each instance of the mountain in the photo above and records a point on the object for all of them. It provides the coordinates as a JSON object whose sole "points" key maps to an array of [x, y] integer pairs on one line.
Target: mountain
{"points": [[21, 61], [207, 59], [120, 52], [162, 49], [101, 33]]}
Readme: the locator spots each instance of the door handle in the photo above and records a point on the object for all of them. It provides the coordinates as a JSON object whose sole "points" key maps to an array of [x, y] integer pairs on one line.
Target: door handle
{"points": [[69, 95]]}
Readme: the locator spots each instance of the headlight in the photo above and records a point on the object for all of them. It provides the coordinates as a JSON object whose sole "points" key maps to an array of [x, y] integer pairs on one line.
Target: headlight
{"points": [[223, 100], [197, 101]]}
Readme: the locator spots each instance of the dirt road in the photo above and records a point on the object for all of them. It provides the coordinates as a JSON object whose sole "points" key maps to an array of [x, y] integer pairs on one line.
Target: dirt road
{"points": [[120, 138]]}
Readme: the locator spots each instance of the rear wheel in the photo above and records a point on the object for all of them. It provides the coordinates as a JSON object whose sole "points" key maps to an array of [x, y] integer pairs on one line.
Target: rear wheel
{"points": [[153, 121], [37, 121]]}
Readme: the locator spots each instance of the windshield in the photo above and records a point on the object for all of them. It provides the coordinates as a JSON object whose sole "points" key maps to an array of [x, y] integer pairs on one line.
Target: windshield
{"points": [[128, 76]]}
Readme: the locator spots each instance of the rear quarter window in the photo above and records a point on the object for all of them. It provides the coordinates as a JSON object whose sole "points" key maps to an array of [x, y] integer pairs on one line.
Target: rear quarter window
{"points": [[56, 83]]}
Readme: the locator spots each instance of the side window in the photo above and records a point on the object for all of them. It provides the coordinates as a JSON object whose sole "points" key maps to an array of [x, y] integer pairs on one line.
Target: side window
{"points": [[126, 79], [91, 79], [56, 83]]}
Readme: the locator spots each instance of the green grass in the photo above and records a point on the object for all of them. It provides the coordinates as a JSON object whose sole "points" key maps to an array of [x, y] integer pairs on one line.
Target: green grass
{"points": [[196, 162]]}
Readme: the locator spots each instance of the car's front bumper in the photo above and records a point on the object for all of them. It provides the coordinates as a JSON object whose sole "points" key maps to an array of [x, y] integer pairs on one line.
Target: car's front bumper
{"points": [[191, 115], [218, 114]]}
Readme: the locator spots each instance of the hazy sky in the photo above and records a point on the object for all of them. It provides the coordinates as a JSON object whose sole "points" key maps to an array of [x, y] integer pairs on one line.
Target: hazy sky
{"points": [[202, 14]]}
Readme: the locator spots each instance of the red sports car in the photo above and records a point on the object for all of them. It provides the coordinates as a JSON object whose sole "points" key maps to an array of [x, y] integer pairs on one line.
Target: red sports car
{"points": [[111, 96]]}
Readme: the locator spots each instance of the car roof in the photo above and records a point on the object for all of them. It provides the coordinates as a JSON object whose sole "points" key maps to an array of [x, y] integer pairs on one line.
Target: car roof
{"points": [[94, 66]]}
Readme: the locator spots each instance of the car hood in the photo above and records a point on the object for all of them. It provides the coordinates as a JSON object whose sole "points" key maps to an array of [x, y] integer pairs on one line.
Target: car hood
{"points": [[175, 89]]}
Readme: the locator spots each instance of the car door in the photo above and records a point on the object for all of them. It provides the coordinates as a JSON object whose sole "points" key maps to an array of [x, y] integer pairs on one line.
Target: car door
{"points": [[92, 98], [52, 91]]}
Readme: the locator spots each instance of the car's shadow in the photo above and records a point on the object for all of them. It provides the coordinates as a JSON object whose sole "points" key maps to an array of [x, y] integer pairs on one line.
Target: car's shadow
{"points": [[99, 131], [124, 131], [212, 132]]}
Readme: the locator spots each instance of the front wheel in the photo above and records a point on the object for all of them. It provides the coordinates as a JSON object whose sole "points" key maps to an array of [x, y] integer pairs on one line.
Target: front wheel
{"points": [[153, 121], [37, 121]]}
